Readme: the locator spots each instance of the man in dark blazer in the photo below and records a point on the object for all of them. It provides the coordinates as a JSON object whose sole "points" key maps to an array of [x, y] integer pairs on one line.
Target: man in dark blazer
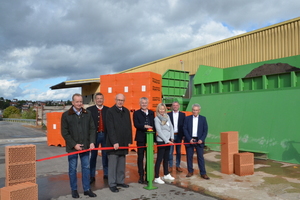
{"points": [[119, 134], [142, 119], [177, 118], [99, 116], [195, 131]]}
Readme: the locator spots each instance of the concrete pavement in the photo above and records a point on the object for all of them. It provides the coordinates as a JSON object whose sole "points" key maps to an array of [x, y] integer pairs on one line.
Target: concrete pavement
{"points": [[271, 180]]}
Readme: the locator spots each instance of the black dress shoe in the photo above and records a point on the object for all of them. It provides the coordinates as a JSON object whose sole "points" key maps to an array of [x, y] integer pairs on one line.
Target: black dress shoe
{"points": [[75, 194], [123, 185], [114, 189], [141, 180], [105, 177], [89, 193], [92, 180]]}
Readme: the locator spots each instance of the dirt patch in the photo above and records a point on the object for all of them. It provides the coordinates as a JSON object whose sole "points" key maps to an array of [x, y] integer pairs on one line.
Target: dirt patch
{"points": [[267, 69]]}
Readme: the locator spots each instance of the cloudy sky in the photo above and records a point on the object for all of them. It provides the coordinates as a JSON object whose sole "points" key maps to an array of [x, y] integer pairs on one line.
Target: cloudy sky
{"points": [[45, 42]]}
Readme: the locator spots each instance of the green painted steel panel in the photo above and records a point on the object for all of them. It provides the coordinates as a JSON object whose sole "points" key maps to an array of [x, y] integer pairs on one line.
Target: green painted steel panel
{"points": [[206, 74], [267, 120], [175, 82], [265, 82]]}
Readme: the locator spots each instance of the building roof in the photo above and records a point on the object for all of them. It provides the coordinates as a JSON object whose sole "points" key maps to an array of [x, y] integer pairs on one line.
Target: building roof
{"points": [[75, 83]]}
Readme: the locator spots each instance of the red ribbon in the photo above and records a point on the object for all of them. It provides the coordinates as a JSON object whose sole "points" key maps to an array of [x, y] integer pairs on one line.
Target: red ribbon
{"points": [[112, 148]]}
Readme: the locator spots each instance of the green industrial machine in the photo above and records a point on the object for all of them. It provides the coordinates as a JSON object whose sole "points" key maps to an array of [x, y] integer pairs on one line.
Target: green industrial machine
{"points": [[263, 109], [174, 86]]}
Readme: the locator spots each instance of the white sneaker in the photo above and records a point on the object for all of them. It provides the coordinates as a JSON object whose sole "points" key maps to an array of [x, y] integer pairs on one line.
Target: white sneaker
{"points": [[159, 181], [169, 177]]}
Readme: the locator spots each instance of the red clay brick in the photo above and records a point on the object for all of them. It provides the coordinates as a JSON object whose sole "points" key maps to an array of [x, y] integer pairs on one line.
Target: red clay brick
{"points": [[228, 149], [229, 137], [244, 164], [244, 170], [20, 173], [20, 164], [227, 168], [20, 153], [20, 191], [244, 158]]}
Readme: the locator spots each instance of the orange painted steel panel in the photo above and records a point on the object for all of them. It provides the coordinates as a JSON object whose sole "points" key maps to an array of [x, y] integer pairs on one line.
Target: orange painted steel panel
{"points": [[133, 86], [133, 134], [54, 137]]}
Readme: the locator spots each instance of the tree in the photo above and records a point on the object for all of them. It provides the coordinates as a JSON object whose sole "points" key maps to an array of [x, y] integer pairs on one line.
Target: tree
{"points": [[29, 114], [4, 103], [11, 111]]}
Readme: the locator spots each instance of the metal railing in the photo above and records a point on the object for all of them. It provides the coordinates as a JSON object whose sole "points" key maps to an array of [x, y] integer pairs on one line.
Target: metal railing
{"points": [[26, 121]]}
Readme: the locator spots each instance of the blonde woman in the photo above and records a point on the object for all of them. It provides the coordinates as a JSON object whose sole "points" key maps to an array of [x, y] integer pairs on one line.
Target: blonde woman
{"points": [[165, 135]]}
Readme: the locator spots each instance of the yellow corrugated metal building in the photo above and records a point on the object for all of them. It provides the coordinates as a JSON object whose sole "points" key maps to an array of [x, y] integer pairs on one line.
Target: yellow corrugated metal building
{"points": [[272, 42]]}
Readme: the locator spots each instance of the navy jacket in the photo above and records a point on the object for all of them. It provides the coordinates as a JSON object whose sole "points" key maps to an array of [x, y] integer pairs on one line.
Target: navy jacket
{"points": [[188, 129], [181, 119], [139, 118]]}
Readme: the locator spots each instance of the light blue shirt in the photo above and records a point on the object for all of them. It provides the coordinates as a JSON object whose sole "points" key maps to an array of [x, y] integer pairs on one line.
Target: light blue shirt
{"points": [[77, 112]]}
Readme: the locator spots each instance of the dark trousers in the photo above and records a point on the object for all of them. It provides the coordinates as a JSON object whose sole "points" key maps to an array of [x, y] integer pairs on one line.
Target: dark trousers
{"points": [[162, 154], [190, 153], [94, 154], [140, 161]]}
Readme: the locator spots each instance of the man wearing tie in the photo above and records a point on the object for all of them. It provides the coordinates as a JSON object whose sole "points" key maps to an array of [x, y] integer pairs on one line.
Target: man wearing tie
{"points": [[177, 119], [195, 131]]}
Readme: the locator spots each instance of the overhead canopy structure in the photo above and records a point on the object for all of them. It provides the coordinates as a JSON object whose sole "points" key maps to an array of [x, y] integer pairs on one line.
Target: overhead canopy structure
{"points": [[75, 83]]}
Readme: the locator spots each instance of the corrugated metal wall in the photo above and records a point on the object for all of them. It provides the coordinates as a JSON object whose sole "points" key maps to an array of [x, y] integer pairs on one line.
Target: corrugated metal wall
{"points": [[276, 41]]}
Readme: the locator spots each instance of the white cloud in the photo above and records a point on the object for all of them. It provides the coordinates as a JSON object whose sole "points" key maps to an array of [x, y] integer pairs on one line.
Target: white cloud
{"points": [[44, 40], [9, 88], [63, 94]]}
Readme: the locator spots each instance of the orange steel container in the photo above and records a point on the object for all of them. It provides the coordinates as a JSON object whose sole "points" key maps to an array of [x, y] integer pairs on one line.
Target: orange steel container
{"points": [[133, 86], [54, 137]]}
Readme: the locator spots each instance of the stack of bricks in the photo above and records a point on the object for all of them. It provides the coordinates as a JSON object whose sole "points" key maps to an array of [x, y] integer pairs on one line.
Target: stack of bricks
{"points": [[20, 162], [26, 190], [229, 147], [244, 164]]}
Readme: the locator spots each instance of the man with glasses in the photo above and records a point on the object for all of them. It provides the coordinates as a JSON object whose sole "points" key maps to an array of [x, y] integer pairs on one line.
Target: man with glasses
{"points": [[119, 134]]}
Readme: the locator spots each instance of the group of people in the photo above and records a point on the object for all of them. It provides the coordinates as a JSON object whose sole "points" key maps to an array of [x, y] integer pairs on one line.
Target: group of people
{"points": [[111, 127]]}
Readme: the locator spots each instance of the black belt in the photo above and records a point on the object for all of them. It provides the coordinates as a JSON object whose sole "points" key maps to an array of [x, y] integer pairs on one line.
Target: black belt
{"points": [[195, 138]]}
